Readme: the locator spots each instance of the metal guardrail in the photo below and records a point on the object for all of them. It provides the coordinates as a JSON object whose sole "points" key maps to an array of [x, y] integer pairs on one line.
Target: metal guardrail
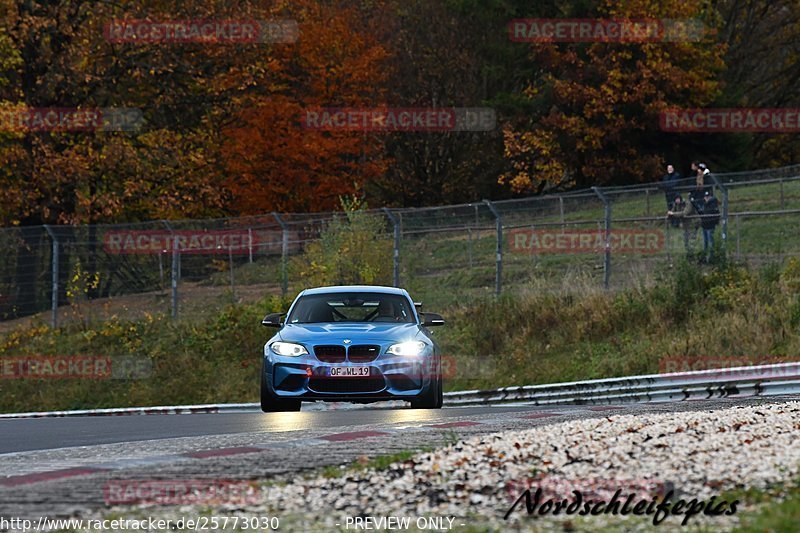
{"points": [[762, 380]]}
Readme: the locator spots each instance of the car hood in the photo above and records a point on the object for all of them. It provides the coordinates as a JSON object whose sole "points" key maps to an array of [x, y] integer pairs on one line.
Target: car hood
{"points": [[336, 332]]}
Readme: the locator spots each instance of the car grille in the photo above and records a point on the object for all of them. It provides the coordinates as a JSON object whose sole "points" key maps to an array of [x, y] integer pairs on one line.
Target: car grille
{"points": [[363, 353], [352, 385], [330, 353]]}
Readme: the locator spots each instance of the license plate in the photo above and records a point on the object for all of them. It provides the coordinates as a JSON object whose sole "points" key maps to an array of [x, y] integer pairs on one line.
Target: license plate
{"points": [[349, 371]]}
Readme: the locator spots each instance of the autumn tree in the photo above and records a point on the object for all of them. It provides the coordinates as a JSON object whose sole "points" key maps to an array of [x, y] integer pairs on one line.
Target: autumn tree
{"points": [[65, 61], [442, 56], [763, 69], [598, 104], [273, 162], [57, 56]]}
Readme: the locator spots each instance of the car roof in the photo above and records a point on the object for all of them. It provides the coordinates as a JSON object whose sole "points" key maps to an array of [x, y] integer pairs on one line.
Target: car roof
{"points": [[355, 288]]}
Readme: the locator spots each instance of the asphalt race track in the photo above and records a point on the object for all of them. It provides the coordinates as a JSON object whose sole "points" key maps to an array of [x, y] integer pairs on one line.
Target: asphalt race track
{"points": [[63, 466], [62, 432]]}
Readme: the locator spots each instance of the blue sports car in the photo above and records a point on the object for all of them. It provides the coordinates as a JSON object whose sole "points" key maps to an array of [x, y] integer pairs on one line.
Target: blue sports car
{"points": [[351, 343]]}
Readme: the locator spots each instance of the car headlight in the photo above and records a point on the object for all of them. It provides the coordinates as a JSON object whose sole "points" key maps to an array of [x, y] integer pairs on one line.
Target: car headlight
{"points": [[288, 349], [407, 348]]}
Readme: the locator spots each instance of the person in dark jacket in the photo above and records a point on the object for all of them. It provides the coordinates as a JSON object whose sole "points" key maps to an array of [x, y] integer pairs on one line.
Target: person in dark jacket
{"points": [[668, 183]]}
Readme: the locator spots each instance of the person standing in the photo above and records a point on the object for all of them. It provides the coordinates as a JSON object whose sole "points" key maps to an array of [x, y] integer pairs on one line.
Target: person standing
{"points": [[668, 183], [702, 180], [707, 182], [708, 221], [685, 214], [696, 194]]}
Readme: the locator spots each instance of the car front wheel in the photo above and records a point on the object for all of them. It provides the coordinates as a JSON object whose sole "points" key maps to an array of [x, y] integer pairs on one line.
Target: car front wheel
{"points": [[271, 404], [433, 398]]}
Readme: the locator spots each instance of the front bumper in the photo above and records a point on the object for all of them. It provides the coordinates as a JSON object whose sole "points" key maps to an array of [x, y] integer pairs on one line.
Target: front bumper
{"points": [[390, 377]]}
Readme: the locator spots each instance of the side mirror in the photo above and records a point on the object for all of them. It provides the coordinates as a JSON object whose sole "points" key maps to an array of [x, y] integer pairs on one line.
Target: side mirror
{"points": [[272, 320], [417, 304], [432, 319]]}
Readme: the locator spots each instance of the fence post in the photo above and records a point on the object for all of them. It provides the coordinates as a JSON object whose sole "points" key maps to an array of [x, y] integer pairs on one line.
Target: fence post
{"points": [[724, 190], [250, 243], [738, 238], [284, 253], [174, 270], [395, 247], [230, 264], [469, 245], [174, 277], [561, 210], [667, 240], [607, 216], [161, 270], [498, 277], [783, 202], [54, 281]]}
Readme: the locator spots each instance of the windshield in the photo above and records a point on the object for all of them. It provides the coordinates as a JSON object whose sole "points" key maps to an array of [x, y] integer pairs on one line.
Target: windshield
{"points": [[351, 307]]}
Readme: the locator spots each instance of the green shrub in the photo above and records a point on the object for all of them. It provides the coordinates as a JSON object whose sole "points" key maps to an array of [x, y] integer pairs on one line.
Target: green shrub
{"points": [[790, 276], [689, 286], [353, 249]]}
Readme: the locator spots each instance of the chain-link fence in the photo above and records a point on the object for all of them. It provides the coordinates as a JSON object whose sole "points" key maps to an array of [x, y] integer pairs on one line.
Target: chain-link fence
{"points": [[603, 237]]}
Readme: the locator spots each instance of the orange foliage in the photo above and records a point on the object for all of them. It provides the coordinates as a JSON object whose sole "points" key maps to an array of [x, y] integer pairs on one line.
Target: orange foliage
{"points": [[272, 162]]}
